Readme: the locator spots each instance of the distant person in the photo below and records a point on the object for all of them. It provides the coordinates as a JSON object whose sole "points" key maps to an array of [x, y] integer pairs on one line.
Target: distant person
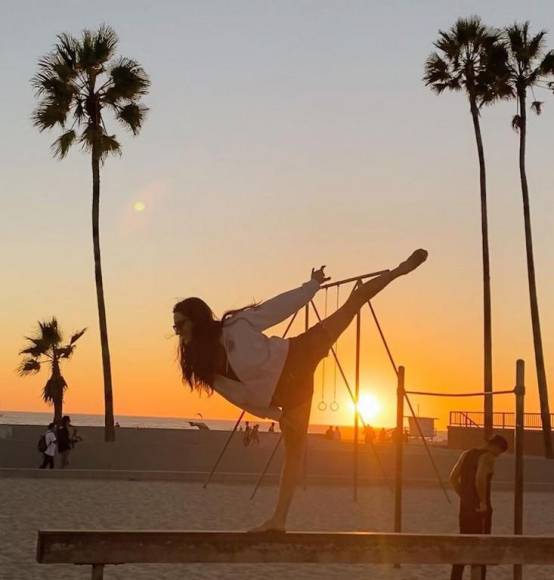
{"points": [[271, 427], [382, 436], [330, 433], [471, 479], [47, 446], [270, 377], [255, 434], [246, 436], [369, 435], [337, 435], [117, 424], [64, 438]]}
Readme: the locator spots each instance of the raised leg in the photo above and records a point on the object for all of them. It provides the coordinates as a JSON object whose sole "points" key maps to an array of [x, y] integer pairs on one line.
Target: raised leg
{"points": [[339, 321]]}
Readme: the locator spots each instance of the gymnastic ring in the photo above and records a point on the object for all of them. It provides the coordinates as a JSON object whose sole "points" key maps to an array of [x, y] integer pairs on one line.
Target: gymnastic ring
{"points": [[322, 406], [334, 406]]}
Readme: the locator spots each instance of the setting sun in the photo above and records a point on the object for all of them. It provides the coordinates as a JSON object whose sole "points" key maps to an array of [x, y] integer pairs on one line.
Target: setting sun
{"points": [[369, 406]]}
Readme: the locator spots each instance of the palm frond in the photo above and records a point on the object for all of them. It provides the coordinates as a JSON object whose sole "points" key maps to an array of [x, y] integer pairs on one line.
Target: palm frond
{"points": [[96, 48], [66, 48], [50, 114], [93, 139], [547, 64], [50, 332], [516, 123], [105, 43], [536, 45], [54, 387], [65, 351], [75, 337], [63, 143], [128, 82], [517, 35], [29, 366], [34, 351], [132, 116]]}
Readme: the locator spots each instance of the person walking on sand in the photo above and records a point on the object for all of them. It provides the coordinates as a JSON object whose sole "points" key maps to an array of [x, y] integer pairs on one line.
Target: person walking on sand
{"points": [[270, 377], [471, 479], [255, 434], [49, 446]]}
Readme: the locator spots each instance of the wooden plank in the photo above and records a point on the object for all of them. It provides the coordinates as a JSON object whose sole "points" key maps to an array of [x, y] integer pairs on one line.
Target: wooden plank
{"points": [[121, 547]]}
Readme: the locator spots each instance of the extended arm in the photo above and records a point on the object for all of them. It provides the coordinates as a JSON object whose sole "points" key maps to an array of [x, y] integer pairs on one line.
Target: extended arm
{"points": [[275, 310]]}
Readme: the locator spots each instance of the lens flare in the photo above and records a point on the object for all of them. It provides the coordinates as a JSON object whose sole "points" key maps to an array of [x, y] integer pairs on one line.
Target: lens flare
{"points": [[369, 407]]}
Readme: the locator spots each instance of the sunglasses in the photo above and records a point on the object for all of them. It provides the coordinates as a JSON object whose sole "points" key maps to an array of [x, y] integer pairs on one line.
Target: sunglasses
{"points": [[178, 325]]}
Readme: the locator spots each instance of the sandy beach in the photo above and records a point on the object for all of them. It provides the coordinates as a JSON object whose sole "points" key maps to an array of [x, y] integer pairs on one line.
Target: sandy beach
{"points": [[83, 504]]}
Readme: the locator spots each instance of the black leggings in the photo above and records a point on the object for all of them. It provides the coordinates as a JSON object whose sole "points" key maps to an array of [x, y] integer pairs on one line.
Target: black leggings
{"points": [[47, 461]]}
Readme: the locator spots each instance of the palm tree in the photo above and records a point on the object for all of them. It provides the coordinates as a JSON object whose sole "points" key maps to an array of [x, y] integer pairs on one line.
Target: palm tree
{"points": [[530, 66], [75, 84], [47, 348], [470, 58]]}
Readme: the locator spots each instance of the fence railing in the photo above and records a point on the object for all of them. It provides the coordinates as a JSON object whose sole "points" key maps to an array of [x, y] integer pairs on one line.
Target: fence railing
{"points": [[476, 419]]}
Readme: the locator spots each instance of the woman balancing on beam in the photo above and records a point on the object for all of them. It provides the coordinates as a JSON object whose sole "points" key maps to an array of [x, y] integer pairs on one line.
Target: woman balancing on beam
{"points": [[269, 377]]}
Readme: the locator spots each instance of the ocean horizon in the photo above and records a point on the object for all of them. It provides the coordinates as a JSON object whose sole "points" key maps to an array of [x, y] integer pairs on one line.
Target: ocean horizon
{"points": [[134, 421]]}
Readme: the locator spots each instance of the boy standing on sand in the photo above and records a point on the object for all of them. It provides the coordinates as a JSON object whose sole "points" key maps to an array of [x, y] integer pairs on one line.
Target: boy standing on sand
{"points": [[471, 479]]}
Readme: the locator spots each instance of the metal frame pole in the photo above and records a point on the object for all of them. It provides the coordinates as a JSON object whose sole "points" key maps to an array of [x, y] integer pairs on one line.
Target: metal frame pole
{"points": [[305, 456], [356, 406], [519, 434], [410, 406], [399, 450]]}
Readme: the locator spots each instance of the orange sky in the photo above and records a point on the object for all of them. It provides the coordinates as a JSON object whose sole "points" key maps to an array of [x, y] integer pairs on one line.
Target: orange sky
{"points": [[300, 137]]}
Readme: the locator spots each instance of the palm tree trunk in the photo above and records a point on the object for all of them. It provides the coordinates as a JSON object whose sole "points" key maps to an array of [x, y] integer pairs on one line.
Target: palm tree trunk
{"points": [[109, 433], [58, 396], [58, 410], [535, 318], [487, 318]]}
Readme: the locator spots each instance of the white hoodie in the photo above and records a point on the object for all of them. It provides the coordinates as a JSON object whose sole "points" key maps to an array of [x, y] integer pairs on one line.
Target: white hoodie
{"points": [[256, 359]]}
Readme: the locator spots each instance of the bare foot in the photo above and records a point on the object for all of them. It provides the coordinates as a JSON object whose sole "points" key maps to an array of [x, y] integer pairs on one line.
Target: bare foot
{"points": [[271, 525], [415, 260]]}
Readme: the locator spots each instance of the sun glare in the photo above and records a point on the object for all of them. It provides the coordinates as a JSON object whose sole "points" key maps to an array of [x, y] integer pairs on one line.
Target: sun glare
{"points": [[369, 406]]}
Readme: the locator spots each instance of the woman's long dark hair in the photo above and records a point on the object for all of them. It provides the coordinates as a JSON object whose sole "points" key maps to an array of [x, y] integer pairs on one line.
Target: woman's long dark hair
{"points": [[198, 358]]}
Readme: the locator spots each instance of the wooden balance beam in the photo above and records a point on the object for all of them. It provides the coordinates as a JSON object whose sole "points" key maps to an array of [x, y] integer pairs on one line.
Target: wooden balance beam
{"points": [[100, 548]]}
